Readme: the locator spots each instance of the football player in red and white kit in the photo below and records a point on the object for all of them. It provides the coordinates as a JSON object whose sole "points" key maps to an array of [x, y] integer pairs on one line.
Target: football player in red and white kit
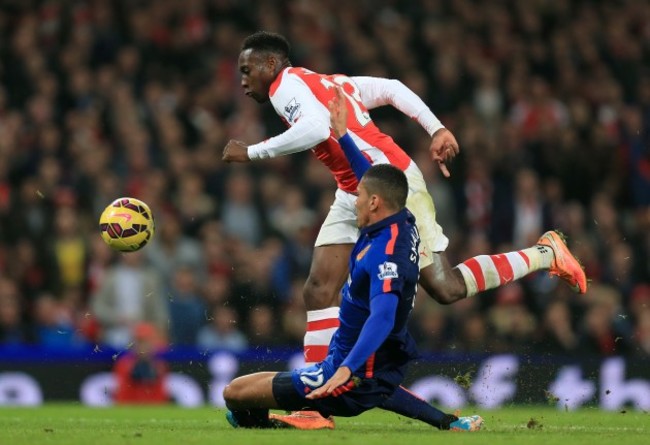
{"points": [[301, 97]]}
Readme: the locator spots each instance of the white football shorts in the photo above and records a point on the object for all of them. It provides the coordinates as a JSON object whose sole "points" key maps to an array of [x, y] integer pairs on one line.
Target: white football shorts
{"points": [[340, 225]]}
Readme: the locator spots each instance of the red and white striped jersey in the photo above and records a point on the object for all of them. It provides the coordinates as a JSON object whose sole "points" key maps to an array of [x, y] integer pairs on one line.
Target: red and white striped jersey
{"points": [[301, 97]]}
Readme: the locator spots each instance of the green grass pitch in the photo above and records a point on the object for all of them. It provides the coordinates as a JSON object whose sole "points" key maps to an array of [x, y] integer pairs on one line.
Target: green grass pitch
{"points": [[72, 424]]}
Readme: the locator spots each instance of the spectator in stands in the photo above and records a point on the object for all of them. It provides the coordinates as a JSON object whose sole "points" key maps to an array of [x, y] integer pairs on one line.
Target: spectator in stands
{"points": [[431, 328], [130, 293], [12, 329], [556, 335], [605, 330], [69, 248], [474, 335], [512, 323], [293, 316], [240, 217], [171, 249], [141, 372], [54, 327], [34, 271], [222, 332], [292, 214], [194, 205], [262, 327], [187, 312], [642, 333], [103, 101]]}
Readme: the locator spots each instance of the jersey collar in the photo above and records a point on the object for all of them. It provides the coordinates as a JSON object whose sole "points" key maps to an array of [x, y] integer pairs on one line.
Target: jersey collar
{"points": [[278, 80], [401, 216]]}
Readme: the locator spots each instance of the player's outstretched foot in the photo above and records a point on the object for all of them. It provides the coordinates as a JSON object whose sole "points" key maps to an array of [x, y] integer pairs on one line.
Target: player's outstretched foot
{"points": [[470, 423], [565, 265], [304, 420]]}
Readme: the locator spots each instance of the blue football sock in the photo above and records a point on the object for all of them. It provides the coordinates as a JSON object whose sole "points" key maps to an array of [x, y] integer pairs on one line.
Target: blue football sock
{"points": [[406, 404]]}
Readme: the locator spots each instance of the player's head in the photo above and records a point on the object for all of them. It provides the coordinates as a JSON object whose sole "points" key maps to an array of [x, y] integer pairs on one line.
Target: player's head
{"points": [[263, 55], [382, 192]]}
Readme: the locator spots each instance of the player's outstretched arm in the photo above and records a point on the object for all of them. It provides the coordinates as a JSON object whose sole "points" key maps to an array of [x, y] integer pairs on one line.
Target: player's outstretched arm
{"points": [[376, 92], [338, 113], [338, 121], [309, 124]]}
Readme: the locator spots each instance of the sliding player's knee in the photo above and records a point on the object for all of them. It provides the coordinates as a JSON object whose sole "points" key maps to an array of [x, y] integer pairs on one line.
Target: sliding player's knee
{"points": [[319, 293], [233, 394]]}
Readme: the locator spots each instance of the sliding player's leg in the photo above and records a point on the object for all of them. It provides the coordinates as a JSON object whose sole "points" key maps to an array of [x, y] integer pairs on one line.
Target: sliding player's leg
{"points": [[249, 399], [405, 403]]}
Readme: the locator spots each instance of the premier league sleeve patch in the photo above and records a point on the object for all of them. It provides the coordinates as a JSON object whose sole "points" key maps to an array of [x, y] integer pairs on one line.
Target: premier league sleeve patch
{"points": [[291, 110], [387, 270]]}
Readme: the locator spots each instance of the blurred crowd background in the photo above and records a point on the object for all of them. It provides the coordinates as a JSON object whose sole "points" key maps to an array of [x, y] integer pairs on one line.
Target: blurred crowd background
{"points": [[550, 102]]}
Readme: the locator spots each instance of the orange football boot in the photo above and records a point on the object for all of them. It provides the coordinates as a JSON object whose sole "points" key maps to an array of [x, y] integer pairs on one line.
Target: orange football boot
{"points": [[565, 265], [304, 420]]}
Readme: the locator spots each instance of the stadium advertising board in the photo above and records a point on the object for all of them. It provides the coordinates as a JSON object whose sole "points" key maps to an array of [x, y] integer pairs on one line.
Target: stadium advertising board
{"points": [[31, 378]]}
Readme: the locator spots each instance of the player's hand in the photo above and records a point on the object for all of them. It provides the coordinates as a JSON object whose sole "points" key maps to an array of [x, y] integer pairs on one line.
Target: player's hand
{"points": [[444, 148], [338, 384], [338, 112], [235, 151]]}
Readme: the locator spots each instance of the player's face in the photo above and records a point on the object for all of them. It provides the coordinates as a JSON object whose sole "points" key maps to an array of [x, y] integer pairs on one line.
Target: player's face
{"points": [[363, 205], [257, 73]]}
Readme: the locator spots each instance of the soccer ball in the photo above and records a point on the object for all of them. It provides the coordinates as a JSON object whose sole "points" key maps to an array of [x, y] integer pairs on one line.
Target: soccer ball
{"points": [[127, 224]]}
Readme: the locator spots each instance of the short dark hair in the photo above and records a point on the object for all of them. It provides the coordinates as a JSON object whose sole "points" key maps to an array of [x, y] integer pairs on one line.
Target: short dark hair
{"points": [[389, 182], [269, 42]]}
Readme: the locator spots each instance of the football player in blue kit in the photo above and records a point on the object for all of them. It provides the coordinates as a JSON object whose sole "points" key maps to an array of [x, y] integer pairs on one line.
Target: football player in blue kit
{"points": [[370, 351]]}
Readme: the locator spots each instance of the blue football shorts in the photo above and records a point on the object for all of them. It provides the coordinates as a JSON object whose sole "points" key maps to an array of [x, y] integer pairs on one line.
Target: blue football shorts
{"points": [[290, 389]]}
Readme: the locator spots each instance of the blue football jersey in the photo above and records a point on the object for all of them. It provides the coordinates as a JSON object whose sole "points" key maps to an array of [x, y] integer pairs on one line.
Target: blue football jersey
{"points": [[383, 261]]}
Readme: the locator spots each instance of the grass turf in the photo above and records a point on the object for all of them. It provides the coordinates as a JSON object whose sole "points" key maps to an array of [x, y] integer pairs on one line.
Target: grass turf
{"points": [[74, 424]]}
